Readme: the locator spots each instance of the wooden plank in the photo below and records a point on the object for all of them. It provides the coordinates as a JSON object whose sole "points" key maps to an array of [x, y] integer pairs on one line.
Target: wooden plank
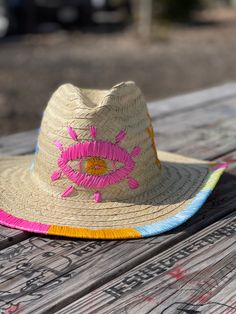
{"points": [[19, 143], [203, 132], [202, 98], [199, 117], [11, 236], [43, 274], [197, 275], [203, 143], [231, 160]]}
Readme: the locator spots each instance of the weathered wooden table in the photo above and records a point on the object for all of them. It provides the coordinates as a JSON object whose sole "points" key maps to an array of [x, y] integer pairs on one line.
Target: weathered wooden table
{"points": [[188, 270]]}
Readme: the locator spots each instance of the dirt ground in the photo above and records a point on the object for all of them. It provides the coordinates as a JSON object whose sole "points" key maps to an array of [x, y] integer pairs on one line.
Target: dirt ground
{"points": [[177, 60]]}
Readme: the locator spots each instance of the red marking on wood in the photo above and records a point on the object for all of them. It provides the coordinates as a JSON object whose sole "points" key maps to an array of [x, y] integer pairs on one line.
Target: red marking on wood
{"points": [[230, 158], [204, 298], [144, 297], [11, 309], [177, 273]]}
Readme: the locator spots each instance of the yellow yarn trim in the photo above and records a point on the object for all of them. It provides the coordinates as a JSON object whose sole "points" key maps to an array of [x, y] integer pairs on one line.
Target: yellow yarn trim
{"points": [[123, 233], [152, 136], [96, 166], [213, 179]]}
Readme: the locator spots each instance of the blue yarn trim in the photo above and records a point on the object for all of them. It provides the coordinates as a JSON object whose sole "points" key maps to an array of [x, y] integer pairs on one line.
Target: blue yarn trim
{"points": [[175, 221], [178, 219]]}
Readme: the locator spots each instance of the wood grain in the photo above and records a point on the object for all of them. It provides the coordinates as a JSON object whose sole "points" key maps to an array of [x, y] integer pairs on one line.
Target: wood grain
{"points": [[10, 236], [187, 102], [201, 133], [197, 275]]}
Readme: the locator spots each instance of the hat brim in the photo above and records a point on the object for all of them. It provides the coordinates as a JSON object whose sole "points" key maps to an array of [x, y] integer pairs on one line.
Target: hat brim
{"points": [[184, 186]]}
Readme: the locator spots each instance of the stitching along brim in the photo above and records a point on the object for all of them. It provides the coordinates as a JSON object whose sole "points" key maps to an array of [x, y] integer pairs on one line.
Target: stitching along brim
{"points": [[121, 233]]}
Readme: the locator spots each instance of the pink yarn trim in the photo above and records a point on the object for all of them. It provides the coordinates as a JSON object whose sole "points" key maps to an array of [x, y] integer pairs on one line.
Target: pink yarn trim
{"points": [[22, 224], [101, 149], [120, 136], [68, 191], [97, 197], [220, 166], [72, 133], [93, 132]]}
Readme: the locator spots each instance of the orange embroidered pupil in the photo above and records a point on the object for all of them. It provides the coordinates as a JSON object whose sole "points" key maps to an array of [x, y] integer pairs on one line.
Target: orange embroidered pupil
{"points": [[95, 166]]}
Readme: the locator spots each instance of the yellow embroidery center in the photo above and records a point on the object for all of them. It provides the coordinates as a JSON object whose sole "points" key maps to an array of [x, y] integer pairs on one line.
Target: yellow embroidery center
{"points": [[95, 166]]}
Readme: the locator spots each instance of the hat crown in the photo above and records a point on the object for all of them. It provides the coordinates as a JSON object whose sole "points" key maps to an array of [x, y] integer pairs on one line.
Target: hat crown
{"points": [[96, 144]]}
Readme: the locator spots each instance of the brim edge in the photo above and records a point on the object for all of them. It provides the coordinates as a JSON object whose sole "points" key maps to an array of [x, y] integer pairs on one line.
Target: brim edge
{"points": [[149, 230]]}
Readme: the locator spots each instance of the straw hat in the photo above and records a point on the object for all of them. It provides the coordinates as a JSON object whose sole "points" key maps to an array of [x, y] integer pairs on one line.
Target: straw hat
{"points": [[96, 173]]}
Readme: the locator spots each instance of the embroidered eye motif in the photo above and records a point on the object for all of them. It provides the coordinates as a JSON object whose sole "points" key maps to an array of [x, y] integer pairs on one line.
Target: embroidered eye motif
{"points": [[98, 163]]}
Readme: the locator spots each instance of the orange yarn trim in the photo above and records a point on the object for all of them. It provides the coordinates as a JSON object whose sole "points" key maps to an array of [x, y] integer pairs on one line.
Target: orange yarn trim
{"points": [[123, 233]]}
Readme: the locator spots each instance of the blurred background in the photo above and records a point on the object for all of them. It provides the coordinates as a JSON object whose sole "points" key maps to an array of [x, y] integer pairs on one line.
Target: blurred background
{"points": [[168, 47]]}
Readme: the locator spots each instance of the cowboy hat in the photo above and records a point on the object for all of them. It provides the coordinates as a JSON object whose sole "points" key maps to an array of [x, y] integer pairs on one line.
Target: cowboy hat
{"points": [[96, 172]]}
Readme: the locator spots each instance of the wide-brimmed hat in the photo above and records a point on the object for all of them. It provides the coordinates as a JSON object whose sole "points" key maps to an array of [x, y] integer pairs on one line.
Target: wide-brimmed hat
{"points": [[96, 172]]}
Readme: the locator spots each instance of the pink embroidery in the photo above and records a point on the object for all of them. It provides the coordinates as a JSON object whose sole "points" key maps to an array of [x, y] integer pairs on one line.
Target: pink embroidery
{"points": [[68, 191], [93, 132], [56, 175], [133, 184], [136, 151], [120, 136], [72, 133], [100, 149], [97, 197]]}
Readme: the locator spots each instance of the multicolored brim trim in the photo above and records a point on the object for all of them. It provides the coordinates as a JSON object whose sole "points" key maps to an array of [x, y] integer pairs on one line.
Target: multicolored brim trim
{"points": [[121, 233]]}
